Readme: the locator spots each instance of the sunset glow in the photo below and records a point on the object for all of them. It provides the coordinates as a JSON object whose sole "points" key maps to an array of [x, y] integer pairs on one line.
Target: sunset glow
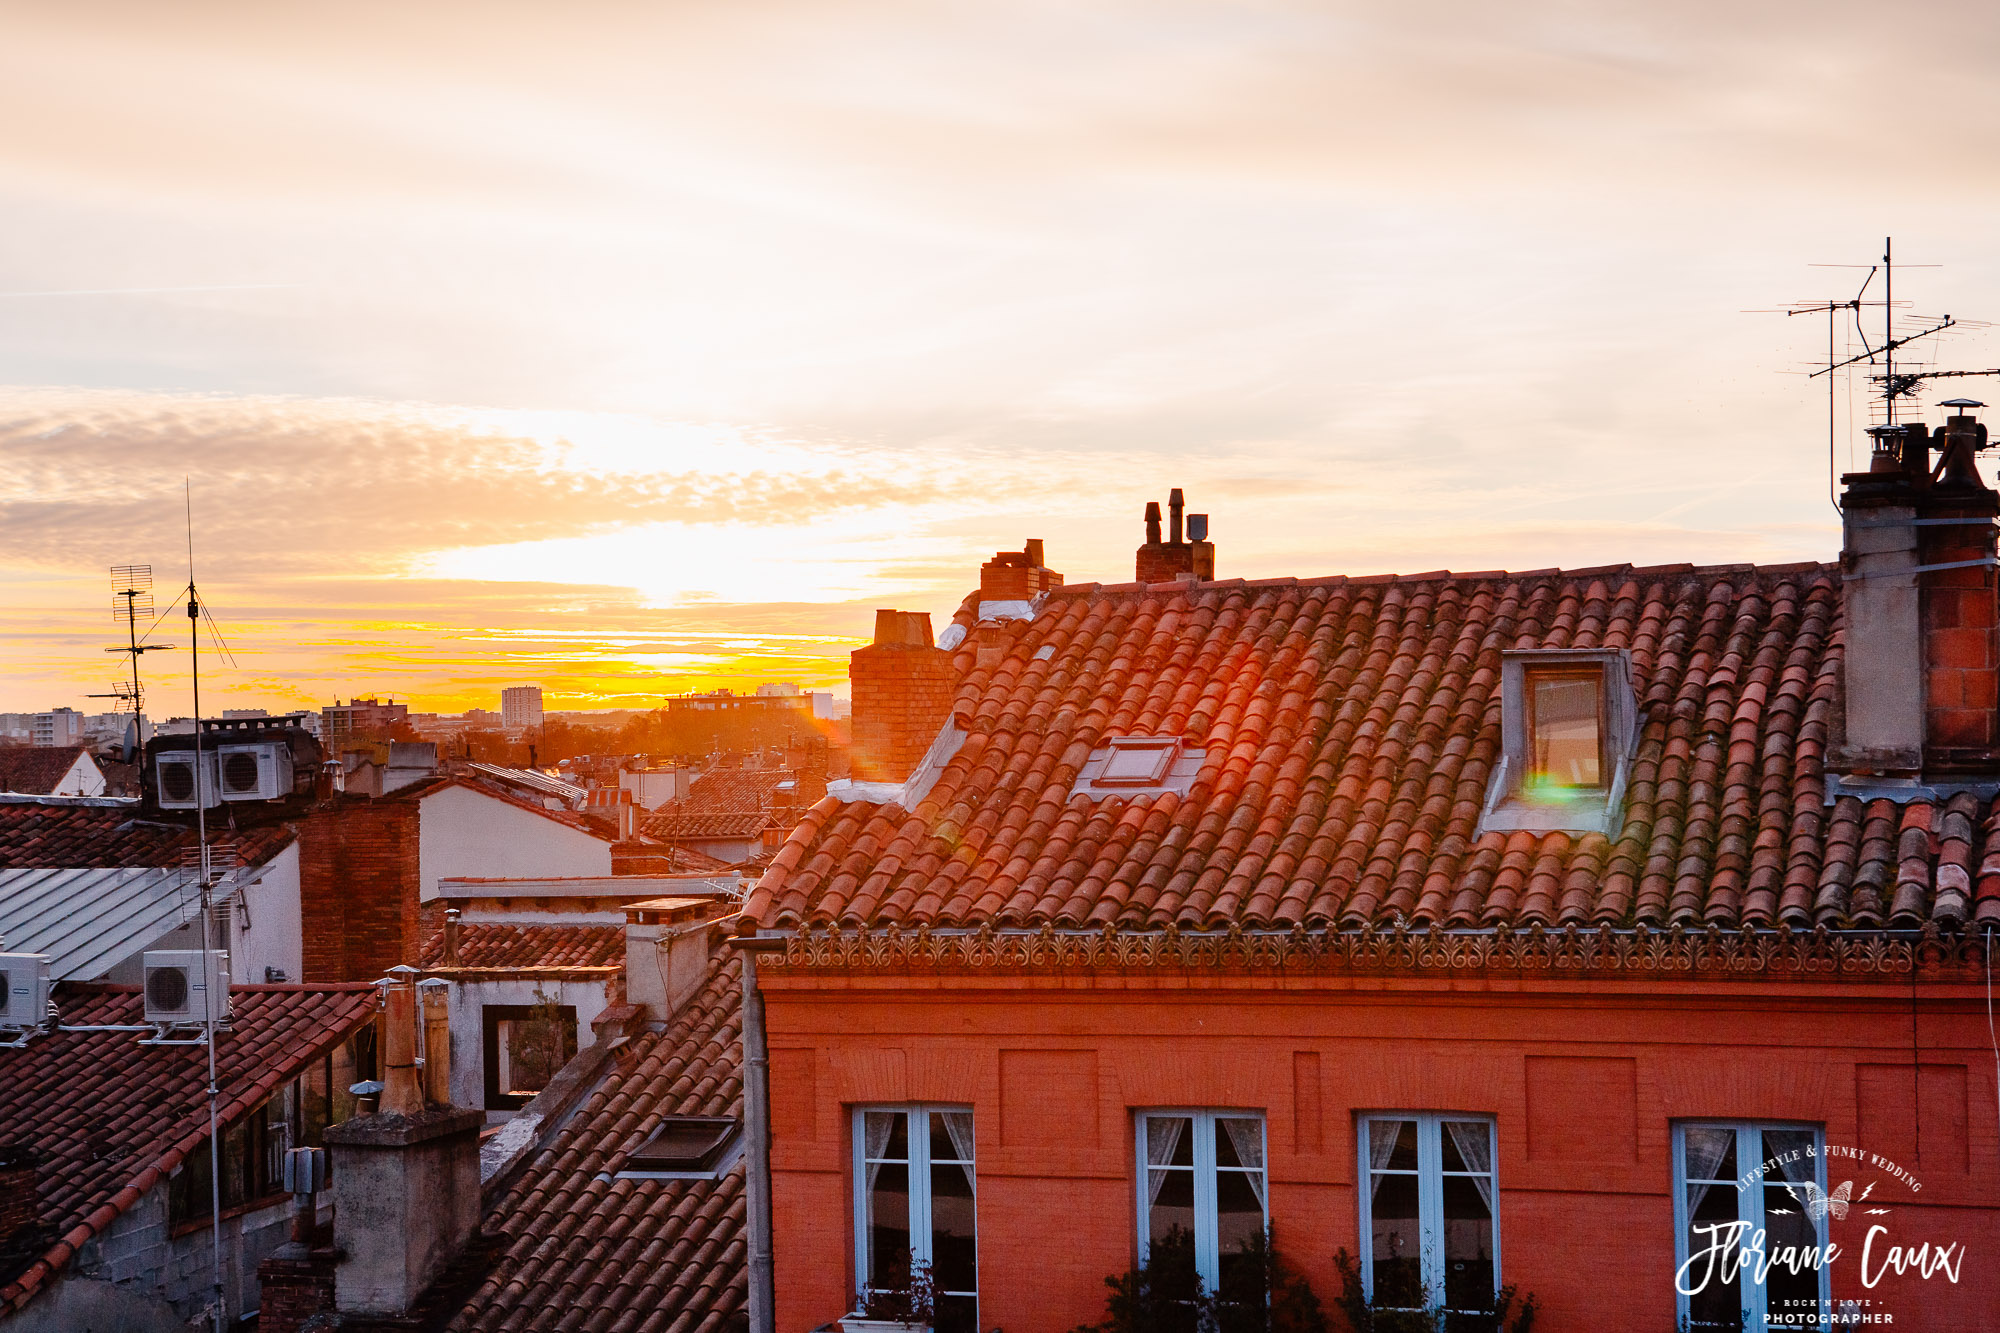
{"points": [[637, 350]]}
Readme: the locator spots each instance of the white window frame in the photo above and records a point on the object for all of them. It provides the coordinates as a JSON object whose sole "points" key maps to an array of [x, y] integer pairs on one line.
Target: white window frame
{"points": [[1430, 1194], [1207, 1225], [917, 1129], [1749, 1208]]}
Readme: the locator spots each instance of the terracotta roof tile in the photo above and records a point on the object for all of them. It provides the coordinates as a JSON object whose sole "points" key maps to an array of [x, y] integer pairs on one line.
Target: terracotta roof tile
{"points": [[36, 769], [734, 803], [1351, 726], [581, 1249], [114, 1118], [53, 836], [497, 944]]}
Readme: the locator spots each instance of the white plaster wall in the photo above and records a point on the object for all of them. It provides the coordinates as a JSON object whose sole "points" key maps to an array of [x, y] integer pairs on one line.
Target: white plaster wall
{"points": [[468, 1045], [271, 932], [463, 833]]}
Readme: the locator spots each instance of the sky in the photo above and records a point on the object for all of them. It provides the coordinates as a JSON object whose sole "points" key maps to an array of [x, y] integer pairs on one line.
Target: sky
{"points": [[639, 348]]}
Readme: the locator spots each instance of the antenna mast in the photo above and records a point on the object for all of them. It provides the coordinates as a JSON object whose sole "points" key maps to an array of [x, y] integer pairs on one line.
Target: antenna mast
{"points": [[132, 597], [201, 794]]}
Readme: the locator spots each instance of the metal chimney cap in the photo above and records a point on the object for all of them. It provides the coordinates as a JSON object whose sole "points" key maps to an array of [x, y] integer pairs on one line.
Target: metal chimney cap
{"points": [[1961, 402]]}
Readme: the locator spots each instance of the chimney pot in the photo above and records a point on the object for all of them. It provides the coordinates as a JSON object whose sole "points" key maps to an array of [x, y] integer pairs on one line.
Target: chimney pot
{"points": [[908, 629], [1034, 552], [451, 915], [1152, 522], [1197, 527], [1175, 504]]}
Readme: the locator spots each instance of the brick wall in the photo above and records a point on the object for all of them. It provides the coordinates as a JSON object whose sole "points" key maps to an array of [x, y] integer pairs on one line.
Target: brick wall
{"points": [[1163, 562], [358, 886], [903, 688], [1961, 629], [20, 1206], [294, 1290]]}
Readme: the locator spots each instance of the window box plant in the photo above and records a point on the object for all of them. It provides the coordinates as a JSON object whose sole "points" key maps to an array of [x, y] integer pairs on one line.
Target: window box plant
{"points": [[904, 1303]]}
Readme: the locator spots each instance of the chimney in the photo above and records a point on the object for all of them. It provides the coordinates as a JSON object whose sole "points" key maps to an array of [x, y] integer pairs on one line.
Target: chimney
{"points": [[667, 944], [358, 888], [434, 1006], [405, 1181], [20, 1204], [1016, 576], [1921, 603], [903, 687], [1175, 558], [451, 916]]}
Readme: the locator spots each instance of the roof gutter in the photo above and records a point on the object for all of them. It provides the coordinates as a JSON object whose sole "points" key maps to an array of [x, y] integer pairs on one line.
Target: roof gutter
{"points": [[757, 1150]]}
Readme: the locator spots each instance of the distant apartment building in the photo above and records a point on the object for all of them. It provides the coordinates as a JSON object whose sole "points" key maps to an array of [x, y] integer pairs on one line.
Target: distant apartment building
{"points": [[771, 699], [58, 726], [360, 719], [521, 706]]}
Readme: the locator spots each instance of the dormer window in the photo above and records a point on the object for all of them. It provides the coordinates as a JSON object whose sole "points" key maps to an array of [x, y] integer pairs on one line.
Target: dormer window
{"points": [[1567, 723]]}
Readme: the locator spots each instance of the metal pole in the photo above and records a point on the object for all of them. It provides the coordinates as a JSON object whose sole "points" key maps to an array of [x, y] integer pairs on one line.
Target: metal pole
{"points": [[757, 1126], [207, 991], [1888, 331]]}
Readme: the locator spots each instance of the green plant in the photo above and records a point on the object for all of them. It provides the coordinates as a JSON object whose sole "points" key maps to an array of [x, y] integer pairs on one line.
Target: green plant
{"points": [[907, 1294], [1259, 1293], [1400, 1304]]}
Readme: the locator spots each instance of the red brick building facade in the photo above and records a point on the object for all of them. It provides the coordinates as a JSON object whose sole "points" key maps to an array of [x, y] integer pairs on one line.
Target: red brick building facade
{"points": [[1584, 933]]}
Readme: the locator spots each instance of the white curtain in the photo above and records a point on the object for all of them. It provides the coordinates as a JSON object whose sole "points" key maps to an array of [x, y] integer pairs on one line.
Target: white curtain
{"points": [[1247, 1137], [1474, 1141], [1704, 1150], [1163, 1137], [958, 1124], [879, 1126], [1382, 1136]]}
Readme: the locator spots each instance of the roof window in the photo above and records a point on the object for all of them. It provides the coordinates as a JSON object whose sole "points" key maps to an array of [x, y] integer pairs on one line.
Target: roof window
{"points": [[685, 1147], [1139, 766], [1567, 723]]}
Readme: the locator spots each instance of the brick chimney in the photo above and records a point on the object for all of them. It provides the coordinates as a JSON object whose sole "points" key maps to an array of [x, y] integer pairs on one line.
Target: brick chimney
{"points": [[903, 686], [20, 1204], [1922, 606], [1175, 558], [358, 888], [1017, 576]]}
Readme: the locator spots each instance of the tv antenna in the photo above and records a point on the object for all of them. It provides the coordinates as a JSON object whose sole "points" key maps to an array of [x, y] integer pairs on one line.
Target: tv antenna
{"points": [[131, 598], [1896, 386]]}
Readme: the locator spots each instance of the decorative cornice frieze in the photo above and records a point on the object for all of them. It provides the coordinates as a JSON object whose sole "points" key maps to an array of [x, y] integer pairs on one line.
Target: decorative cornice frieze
{"points": [[1603, 953]]}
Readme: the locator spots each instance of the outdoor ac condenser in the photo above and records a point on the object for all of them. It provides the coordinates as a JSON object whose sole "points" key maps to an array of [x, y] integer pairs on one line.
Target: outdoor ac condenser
{"points": [[259, 772], [24, 989], [178, 985], [174, 771]]}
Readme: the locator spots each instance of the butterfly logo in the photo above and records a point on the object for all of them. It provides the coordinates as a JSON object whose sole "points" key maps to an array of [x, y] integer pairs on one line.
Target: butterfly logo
{"points": [[1819, 1203]]}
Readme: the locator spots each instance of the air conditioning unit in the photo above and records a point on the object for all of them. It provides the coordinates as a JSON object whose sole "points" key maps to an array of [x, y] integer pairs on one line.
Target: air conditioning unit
{"points": [[260, 772], [24, 989], [175, 771], [179, 984]]}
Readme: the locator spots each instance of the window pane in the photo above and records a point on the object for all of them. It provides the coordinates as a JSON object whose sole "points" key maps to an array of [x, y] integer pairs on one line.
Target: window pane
{"points": [[954, 1264], [1395, 1245], [1468, 1243], [1170, 1231], [887, 1135], [1564, 710], [1714, 1304], [1392, 1145], [1239, 1221], [888, 1223], [1792, 1299]]}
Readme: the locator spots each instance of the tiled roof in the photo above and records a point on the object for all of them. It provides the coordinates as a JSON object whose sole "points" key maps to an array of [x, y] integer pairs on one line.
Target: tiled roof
{"points": [[1351, 726], [114, 1118], [36, 769], [585, 1250], [493, 944], [52, 835], [734, 803]]}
